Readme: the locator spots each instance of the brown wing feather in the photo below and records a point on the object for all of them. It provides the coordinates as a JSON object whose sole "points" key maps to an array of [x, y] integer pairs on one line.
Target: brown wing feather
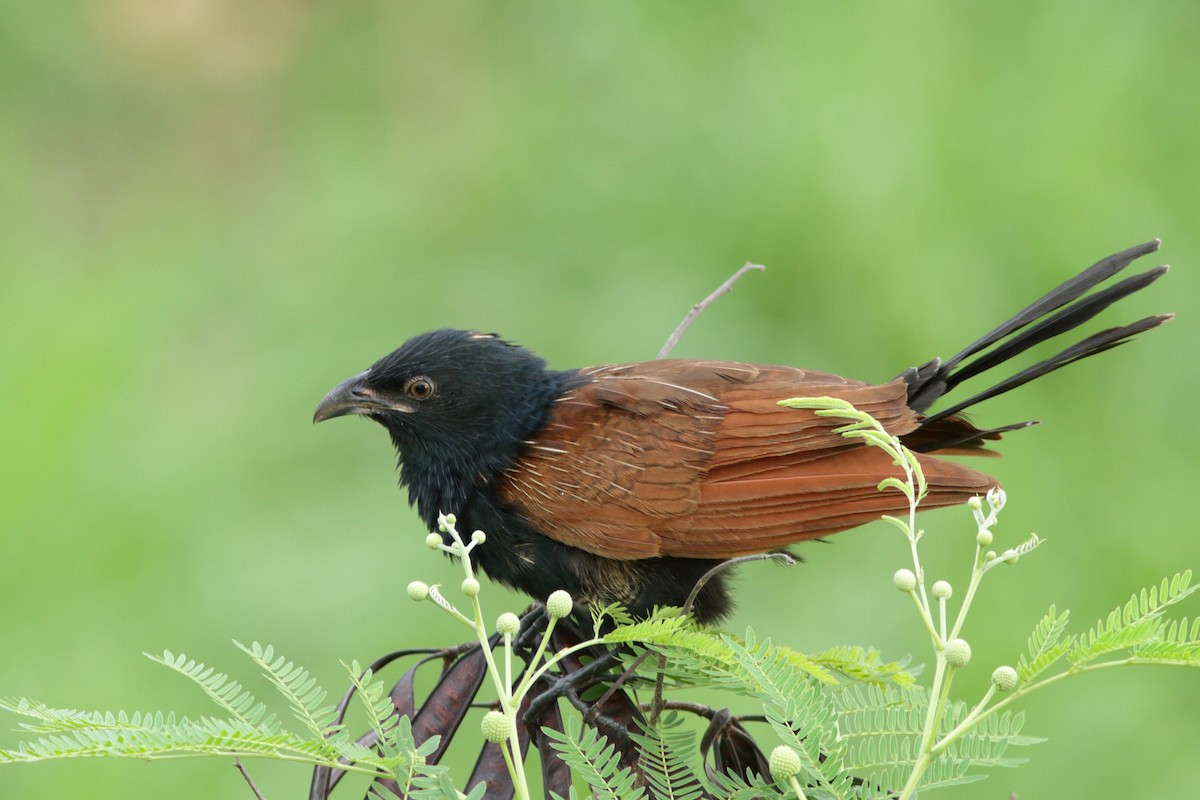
{"points": [[774, 508], [696, 459]]}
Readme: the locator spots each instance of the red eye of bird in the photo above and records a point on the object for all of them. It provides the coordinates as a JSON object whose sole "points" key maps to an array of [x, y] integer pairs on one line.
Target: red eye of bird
{"points": [[419, 388]]}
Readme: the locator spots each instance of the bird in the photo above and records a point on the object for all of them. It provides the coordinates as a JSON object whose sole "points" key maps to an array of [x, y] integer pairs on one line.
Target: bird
{"points": [[626, 483]]}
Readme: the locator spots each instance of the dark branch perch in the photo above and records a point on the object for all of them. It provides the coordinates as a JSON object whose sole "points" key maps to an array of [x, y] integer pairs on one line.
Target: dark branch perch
{"points": [[726, 745]]}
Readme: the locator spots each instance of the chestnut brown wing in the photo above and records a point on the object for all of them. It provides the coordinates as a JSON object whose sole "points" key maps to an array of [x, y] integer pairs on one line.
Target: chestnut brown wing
{"points": [[696, 459]]}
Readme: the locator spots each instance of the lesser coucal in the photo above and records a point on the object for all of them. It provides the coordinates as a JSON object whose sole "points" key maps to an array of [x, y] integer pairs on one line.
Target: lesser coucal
{"points": [[627, 482]]}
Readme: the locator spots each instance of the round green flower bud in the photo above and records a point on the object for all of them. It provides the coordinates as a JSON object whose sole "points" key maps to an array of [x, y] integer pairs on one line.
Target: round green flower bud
{"points": [[418, 590], [495, 726], [905, 580], [451, 519], [508, 623], [470, 587], [942, 590], [958, 653], [784, 763], [1011, 556], [433, 541], [559, 604], [975, 503], [478, 537], [1004, 678], [990, 555], [983, 538]]}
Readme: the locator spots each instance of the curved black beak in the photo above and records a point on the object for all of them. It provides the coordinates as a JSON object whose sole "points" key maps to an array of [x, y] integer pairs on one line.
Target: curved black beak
{"points": [[353, 396]]}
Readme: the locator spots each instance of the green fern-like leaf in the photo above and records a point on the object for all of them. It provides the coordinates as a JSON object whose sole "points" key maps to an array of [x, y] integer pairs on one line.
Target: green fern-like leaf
{"points": [[880, 727], [295, 684], [592, 758], [225, 692], [946, 772], [1046, 645], [986, 743], [1029, 545], [704, 657], [871, 709], [668, 761], [613, 611], [746, 787], [159, 736], [381, 713], [864, 665], [435, 783], [397, 749], [1178, 644], [655, 630], [800, 713], [1136, 623], [248, 731], [65, 720]]}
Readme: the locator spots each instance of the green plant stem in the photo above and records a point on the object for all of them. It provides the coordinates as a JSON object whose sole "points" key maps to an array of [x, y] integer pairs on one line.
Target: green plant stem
{"points": [[501, 681], [508, 663], [302, 758], [452, 611], [510, 697], [795, 784], [977, 713], [528, 678], [559, 656], [1021, 691], [969, 595], [508, 762], [513, 760], [926, 618], [939, 693]]}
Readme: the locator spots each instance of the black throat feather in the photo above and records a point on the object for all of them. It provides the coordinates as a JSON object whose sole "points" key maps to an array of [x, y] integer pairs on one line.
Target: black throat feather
{"points": [[444, 466]]}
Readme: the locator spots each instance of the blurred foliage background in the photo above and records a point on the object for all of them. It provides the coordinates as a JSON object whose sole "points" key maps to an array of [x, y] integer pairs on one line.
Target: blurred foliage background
{"points": [[211, 211]]}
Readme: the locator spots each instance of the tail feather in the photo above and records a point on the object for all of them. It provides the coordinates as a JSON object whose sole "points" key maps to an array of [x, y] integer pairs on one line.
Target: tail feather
{"points": [[1096, 343], [1066, 320], [931, 380]]}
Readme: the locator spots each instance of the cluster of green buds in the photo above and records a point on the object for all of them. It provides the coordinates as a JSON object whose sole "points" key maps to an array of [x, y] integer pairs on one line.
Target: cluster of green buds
{"points": [[953, 651], [498, 725], [984, 521]]}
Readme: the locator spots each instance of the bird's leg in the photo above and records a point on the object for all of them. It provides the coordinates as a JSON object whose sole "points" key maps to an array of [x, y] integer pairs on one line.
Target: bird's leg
{"points": [[533, 627], [614, 714], [569, 685]]}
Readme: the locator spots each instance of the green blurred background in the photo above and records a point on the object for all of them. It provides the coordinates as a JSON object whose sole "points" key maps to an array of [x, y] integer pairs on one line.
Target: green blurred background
{"points": [[210, 212]]}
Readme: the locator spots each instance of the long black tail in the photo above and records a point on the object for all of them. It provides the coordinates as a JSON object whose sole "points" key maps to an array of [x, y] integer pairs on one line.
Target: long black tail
{"points": [[1038, 322]]}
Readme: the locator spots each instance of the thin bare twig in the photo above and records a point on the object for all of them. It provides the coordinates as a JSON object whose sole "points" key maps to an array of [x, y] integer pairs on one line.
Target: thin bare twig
{"points": [[615, 685], [699, 709], [699, 308], [732, 562], [237, 762]]}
